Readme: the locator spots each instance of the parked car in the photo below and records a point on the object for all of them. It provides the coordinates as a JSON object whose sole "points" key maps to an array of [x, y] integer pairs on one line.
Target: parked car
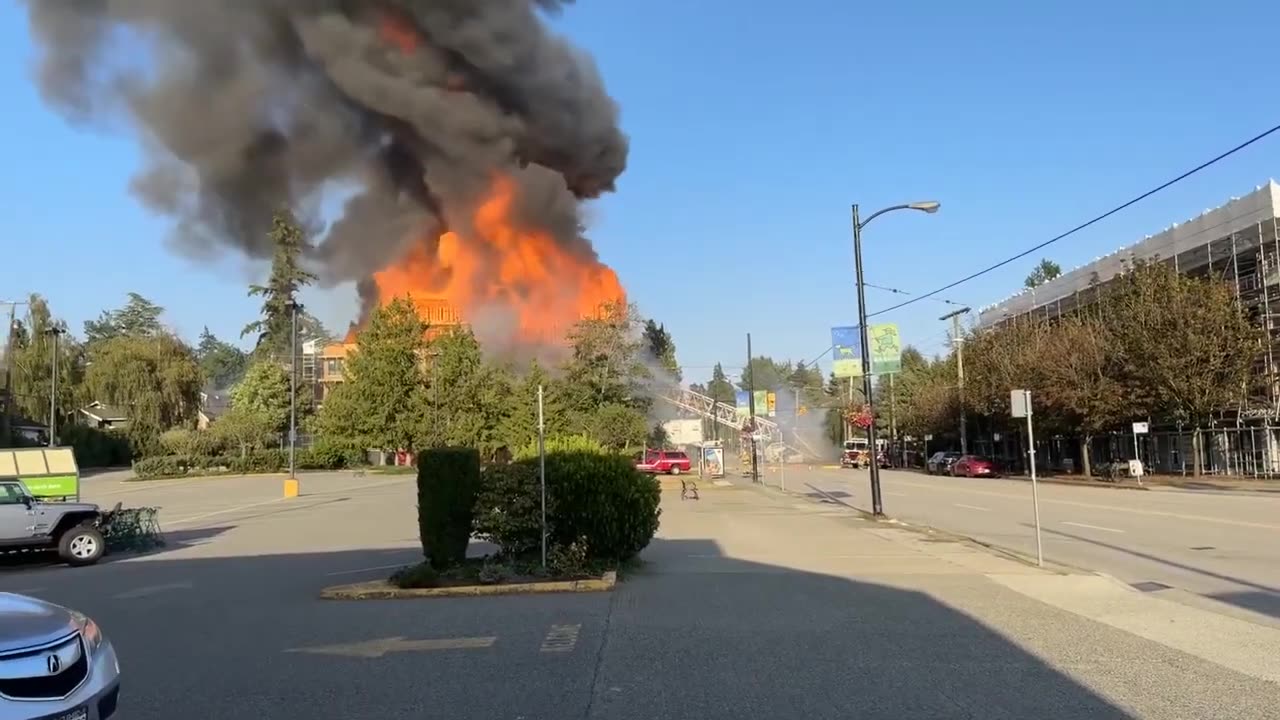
{"points": [[940, 462], [973, 466], [30, 524], [55, 663], [664, 462]]}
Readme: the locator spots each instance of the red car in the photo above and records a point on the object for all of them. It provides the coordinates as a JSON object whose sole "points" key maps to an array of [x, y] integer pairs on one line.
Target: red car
{"points": [[664, 462], [973, 466]]}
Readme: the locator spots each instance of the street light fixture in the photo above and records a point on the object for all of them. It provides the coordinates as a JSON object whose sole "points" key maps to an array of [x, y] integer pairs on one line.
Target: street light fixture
{"points": [[928, 206]]}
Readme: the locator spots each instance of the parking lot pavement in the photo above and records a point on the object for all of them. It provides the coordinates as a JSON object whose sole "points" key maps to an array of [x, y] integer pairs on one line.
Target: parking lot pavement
{"points": [[225, 621]]}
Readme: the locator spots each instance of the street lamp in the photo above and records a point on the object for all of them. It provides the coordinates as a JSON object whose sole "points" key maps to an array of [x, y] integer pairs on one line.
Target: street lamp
{"points": [[928, 206], [293, 384], [54, 332]]}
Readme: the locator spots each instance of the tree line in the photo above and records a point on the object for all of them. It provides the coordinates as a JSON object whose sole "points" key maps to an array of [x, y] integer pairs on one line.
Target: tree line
{"points": [[403, 391], [1152, 344]]}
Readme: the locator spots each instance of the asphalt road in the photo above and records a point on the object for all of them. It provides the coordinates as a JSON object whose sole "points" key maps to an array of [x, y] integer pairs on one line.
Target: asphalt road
{"points": [[752, 605], [1215, 545]]}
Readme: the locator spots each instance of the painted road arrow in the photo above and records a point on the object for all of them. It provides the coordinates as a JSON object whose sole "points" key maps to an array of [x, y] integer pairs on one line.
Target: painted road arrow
{"points": [[378, 648]]}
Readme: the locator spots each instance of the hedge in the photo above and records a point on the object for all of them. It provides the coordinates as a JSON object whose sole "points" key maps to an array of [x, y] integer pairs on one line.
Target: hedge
{"points": [[258, 461], [447, 482], [596, 498]]}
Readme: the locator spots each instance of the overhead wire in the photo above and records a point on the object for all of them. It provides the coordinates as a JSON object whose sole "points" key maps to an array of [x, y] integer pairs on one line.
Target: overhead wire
{"points": [[1083, 225]]}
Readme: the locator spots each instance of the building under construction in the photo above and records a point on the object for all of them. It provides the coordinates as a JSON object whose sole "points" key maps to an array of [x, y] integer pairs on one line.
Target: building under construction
{"points": [[1238, 243]]}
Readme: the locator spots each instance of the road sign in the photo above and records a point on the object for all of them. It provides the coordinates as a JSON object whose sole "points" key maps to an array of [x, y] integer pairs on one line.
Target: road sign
{"points": [[1019, 403], [1140, 428]]}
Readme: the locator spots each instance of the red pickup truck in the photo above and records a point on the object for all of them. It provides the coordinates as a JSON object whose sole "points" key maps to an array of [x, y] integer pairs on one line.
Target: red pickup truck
{"points": [[665, 462]]}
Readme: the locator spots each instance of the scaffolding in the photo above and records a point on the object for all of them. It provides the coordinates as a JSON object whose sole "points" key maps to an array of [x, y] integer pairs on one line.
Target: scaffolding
{"points": [[1238, 243]]}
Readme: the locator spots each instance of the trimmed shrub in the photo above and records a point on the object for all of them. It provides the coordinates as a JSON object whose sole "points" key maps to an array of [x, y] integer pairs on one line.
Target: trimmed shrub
{"points": [[448, 479], [508, 508], [164, 466], [600, 499], [600, 509]]}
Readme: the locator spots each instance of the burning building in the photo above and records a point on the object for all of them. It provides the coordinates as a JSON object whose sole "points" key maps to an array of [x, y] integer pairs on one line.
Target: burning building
{"points": [[459, 138]]}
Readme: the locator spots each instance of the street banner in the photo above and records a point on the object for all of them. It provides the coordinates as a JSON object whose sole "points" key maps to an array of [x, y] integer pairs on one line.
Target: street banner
{"points": [[762, 402], [846, 351], [886, 349], [742, 400]]}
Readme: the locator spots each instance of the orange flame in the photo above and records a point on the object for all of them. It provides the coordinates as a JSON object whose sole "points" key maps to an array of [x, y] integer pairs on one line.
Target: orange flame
{"points": [[396, 30], [500, 267]]}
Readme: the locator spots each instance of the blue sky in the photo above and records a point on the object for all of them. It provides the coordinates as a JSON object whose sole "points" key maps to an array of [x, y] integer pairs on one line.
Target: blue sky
{"points": [[752, 132]]}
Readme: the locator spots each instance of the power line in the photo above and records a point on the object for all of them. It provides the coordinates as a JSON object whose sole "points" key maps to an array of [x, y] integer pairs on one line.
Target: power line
{"points": [[896, 291], [1084, 225]]}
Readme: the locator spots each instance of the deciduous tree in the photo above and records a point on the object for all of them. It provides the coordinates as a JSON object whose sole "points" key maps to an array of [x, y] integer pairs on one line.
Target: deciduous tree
{"points": [[221, 362], [154, 379], [1185, 339]]}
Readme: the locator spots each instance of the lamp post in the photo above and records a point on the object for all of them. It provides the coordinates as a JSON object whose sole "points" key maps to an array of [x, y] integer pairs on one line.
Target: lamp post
{"points": [[929, 206], [293, 385], [54, 332]]}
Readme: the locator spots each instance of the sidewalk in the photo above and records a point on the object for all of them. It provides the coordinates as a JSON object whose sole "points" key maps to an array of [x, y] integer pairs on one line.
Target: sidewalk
{"points": [[755, 604]]}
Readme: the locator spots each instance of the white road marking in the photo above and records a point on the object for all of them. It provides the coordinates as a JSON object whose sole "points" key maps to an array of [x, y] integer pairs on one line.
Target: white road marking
{"points": [[365, 569], [380, 647], [1092, 527], [972, 507], [152, 590], [248, 506], [237, 508], [561, 638]]}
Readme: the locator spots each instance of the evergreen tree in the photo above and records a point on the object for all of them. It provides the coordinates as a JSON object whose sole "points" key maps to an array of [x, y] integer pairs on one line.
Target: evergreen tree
{"points": [[383, 402], [138, 318], [279, 295], [221, 362], [662, 347]]}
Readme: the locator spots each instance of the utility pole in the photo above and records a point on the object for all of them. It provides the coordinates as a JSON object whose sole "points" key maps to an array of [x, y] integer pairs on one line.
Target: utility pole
{"points": [[54, 332], [751, 404], [958, 340], [6, 420]]}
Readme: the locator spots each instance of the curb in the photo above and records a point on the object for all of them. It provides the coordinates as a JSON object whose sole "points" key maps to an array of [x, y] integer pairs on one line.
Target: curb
{"points": [[384, 590]]}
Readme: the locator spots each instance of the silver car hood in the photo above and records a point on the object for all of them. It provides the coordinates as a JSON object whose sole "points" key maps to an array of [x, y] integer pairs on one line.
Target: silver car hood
{"points": [[27, 621]]}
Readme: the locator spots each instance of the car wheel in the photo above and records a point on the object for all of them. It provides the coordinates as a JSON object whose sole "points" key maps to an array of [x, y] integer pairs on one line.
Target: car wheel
{"points": [[675, 470], [81, 545]]}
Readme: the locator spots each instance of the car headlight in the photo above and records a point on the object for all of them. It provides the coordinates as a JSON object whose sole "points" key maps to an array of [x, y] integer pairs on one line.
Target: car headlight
{"points": [[90, 631]]}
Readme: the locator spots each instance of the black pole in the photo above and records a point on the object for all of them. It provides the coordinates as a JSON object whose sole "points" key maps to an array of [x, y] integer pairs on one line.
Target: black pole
{"points": [[877, 503], [751, 403], [293, 386], [53, 390]]}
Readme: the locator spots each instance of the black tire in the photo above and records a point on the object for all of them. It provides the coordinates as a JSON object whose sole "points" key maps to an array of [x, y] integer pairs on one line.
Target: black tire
{"points": [[81, 545]]}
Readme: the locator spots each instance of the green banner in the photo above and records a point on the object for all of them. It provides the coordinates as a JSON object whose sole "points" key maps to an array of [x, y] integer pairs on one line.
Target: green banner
{"points": [[886, 349], [51, 485]]}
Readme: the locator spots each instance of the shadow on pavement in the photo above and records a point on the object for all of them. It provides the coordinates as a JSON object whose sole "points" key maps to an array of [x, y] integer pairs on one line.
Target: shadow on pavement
{"points": [[1262, 599], [691, 634]]}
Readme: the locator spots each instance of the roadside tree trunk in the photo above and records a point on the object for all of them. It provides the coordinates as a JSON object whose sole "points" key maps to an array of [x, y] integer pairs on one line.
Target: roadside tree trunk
{"points": [[1085, 465]]}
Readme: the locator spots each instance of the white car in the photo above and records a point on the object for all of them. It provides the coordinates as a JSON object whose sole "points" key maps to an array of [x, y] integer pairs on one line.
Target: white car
{"points": [[55, 663]]}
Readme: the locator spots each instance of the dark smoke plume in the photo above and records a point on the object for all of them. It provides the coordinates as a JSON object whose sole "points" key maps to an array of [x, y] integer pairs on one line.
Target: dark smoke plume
{"points": [[247, 106]]}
